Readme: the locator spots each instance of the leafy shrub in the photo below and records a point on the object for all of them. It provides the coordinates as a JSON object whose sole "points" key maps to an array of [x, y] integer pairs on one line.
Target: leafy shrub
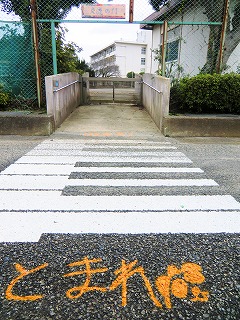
{"points": [[207, 93], [4, 97], [131, 74]]}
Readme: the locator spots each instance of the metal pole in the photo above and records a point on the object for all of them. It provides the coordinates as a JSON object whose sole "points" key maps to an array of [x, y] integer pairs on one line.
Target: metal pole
{"points": [[223, 36], [33, 7], [131, 9], [113, 93], [54, 47], [164, 48]]}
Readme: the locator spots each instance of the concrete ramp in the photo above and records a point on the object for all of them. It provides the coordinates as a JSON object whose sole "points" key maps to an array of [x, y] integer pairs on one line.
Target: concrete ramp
{"points": [[109, 120]]}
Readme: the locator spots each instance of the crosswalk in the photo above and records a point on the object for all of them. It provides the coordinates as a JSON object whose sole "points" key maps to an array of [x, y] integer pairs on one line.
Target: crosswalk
{"points": [[110, 185]]}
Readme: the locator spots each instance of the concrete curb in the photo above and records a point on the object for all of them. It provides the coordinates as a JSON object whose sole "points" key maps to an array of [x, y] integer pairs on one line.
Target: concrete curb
{"points": [[20, 123], [201, 126]]}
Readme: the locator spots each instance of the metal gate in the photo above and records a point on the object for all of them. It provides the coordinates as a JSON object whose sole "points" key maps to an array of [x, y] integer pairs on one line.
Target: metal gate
{"points": [[113, 90]]}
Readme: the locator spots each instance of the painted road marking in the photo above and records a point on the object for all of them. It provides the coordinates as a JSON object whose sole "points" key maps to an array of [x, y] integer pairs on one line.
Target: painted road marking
{"points": [[52, 200], [99, 141], [32, 201], [73, 159], [33, 182], [38, 169], [118, 153], [59, 182], [90, 147], [29, 226], [62, 169]]}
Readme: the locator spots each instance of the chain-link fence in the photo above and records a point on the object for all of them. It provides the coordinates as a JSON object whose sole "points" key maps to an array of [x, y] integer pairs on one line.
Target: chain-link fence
{"points": [[197, 36], [17, 73]]}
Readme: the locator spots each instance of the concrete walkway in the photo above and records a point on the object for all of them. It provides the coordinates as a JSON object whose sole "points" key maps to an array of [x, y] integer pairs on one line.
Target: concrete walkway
{"points": [[109, 120]]}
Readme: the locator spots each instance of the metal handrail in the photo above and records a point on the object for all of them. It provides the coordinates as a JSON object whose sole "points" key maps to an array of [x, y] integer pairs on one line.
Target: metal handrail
{"points": [[158, 91], [67, 85], [109, 79]]}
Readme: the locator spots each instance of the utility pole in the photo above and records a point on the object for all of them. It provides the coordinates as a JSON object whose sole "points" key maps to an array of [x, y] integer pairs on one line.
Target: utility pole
{"points": [[223, 35], [131, 10], [33, 7]]}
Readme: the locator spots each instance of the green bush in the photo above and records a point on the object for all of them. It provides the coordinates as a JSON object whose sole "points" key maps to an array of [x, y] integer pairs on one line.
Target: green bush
{"points": [[131, 74], [4, 97], [207, 93]]}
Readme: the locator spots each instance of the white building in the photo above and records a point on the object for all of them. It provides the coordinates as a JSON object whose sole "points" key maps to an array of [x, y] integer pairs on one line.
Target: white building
{"points": [[127, 55], [187, 44]]}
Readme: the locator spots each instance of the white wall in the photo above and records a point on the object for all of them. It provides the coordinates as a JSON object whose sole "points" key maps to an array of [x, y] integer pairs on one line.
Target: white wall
{"points": [[128, 57], [193, 41], [156, 39], [234, 60]]}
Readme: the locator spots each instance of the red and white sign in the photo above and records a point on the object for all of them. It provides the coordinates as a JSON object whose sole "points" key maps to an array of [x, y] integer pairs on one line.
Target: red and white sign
{"points": [[104, 11]]}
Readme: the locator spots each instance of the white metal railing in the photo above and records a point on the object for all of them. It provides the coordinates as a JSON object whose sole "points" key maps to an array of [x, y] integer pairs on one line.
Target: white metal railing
{"points": [[67, 85], [158, 91]]}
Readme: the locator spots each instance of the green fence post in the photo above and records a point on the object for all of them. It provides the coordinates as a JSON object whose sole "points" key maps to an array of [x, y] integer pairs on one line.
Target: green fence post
{"points": [[54, 47], [164, 47]]}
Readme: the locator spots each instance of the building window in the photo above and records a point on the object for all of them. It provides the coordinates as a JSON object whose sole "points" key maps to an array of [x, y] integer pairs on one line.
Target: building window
{"points": [[172, 51], [143, 61], [143, 50]]}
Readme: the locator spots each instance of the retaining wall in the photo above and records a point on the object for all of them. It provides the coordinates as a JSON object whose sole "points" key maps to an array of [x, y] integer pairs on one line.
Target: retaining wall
{"points": [[201, 126], [18, 123], [155, 97], [63, 94]]}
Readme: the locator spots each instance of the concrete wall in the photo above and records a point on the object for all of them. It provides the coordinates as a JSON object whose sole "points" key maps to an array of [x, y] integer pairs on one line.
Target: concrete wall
{"points": [[62, 102], [156, 101], [18, 123], [201, 126]]}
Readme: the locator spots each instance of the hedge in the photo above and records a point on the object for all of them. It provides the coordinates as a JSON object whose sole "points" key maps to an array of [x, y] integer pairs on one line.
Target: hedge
{"points": [[207, 93]]}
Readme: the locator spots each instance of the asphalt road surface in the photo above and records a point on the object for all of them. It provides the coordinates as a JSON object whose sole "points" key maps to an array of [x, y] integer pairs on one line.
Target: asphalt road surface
{"points": [[116, 226]]}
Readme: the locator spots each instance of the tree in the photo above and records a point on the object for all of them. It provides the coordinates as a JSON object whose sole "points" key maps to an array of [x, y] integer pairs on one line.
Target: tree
{"points": [[106, 70], [214, 12], [67, 58], [54, 9], [84, 67]]}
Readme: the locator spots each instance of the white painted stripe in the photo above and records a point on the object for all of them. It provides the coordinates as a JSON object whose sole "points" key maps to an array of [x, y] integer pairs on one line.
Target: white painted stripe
{"points": [[51, 200], [38, 169], [105, 141], [141, 182], [99, 147], [33, 182], [131, 147], [28, 226], [74, 159], [111, 153], [55, 169]]}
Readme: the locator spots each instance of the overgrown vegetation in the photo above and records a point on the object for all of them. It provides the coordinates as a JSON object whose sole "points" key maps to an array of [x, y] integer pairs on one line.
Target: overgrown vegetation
{"points": [[11, 102], [4, 97], [207, 93]]}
